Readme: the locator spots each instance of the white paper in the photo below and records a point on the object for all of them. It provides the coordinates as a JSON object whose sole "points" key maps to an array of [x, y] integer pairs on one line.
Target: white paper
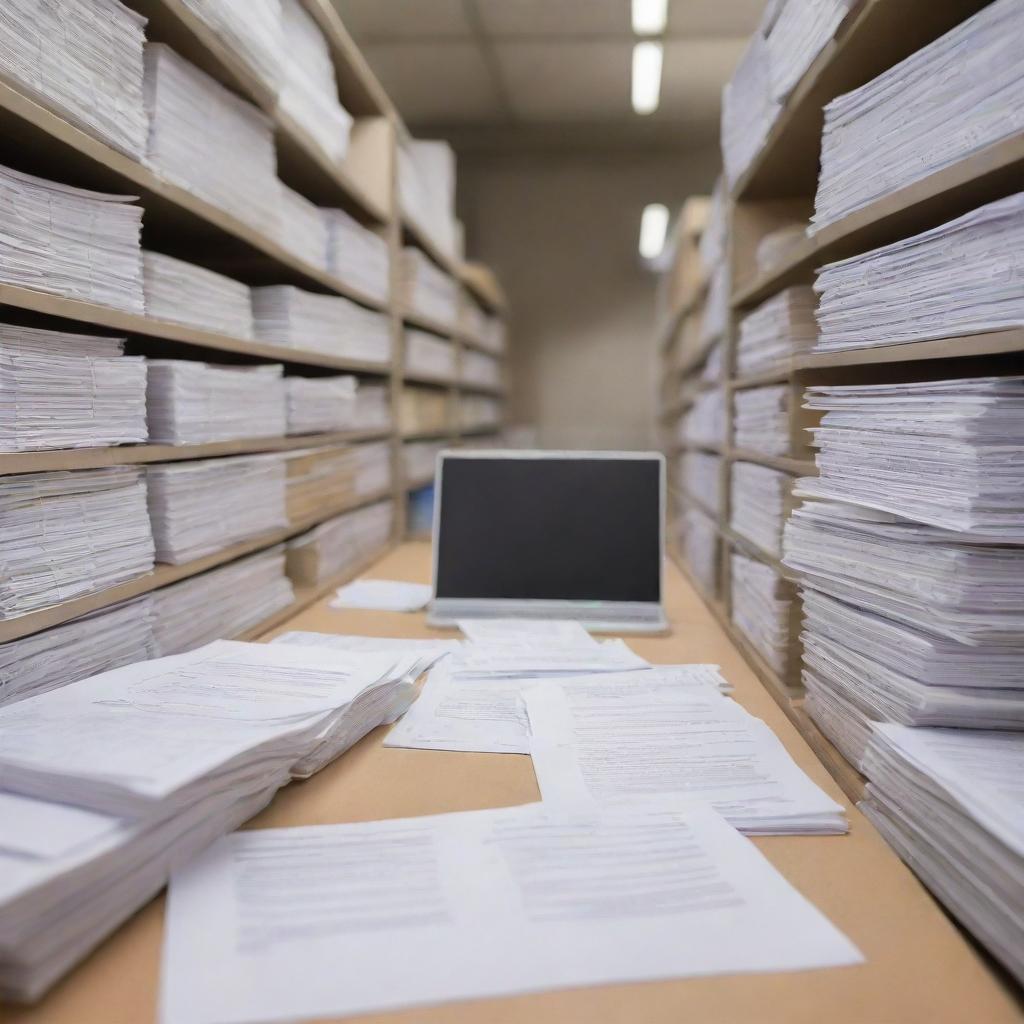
{"points": [[288, 924], [383, 595], [549, 631]]}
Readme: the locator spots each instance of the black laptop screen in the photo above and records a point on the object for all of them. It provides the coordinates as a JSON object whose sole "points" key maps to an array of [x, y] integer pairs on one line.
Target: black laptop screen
{"points": [[556, 529]]}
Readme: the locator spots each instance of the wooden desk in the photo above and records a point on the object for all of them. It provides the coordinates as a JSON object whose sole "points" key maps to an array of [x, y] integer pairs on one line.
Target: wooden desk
{"points": [[918, 969]]}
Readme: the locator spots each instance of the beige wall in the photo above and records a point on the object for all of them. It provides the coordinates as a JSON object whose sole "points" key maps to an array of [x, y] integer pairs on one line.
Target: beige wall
{"points": [[561, 231]]}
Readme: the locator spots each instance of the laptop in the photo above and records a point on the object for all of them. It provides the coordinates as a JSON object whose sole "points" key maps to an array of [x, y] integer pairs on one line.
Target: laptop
{"points": [[550, 535]]}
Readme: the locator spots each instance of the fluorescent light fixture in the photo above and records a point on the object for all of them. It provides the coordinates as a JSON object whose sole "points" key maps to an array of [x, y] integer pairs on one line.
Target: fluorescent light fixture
{"points": [[646, 77], [653, 227], [649, 17]]}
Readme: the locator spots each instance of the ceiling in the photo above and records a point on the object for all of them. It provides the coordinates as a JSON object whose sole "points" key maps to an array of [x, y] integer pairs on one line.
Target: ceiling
{"points": [[552, 73]]}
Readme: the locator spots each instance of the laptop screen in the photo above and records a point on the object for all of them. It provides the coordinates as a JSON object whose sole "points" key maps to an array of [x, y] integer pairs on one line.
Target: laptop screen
{"points": [[561, 528]]}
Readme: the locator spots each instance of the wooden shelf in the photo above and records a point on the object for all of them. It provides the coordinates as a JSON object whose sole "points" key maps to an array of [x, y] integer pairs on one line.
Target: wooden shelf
{"points": [[474, 343], [418, 482], [785, 464], [481, 389], [752, 549], [482, 431], [759, 380], [413, 234], [444, 434], [426, 323], [412, 377], [480, 282]]}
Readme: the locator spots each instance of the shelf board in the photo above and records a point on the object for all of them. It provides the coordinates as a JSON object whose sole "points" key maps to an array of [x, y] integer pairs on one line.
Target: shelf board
{"points": [[757, 380], [474, 343], [748, 547], [431, 379], [413, 234], [445, 434], [481, 389], [162, 575], [426, 323], [480, 281], [482, 431], [785, 464]]}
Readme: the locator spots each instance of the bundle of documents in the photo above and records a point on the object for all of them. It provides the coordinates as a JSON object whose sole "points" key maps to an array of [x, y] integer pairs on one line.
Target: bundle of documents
{"points": [[419, 459], [83, 60], [480, 369], [761, 603], [493, 337], [956, 96], [950, 802], [479, 411], [151, 763], [62, 390], [444, 886], [712, 371], [749, 109], [373, 407], [426, 190], [210, 141], [704, 422], [322, 479], [426, 289], [198, 403], [382, 596], [187, 294], [220, 604], [919, 575], [947, 453], [701, 551], [700, 475], [207, 505], [76, 650], [329, 324], [66, 535], [309, 92], [799, 33], [780, 328], [758, 501], [762, 419], [70, 242], [777, 245], [427, 355], [320, 405], [952, 280], [302, 227], [373, 468], [423, 410], [357, 255], [716, 306], [340, 545]]}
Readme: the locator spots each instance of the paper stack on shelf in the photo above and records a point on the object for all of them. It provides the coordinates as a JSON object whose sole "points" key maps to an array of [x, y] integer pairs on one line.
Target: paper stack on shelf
{"points": [[952, 280], [761, 604], [944, 452], [187, 294], [329, 324], [207, 505], [210, 141], [748, 109], [477, 412], [762, 419], [776, 246], [357, 255], [426, 190], [373, 407], [66, 535], [302, 228], [427, 355], [319, 480], [70, 242], [320, 405], [419, 459], [700, 475], [340, 545], [220, 604], [700, 549], [199, 403], [424, 410], [951, 804], [76, 650], [714, 237], [713, 370], [493, 337], [309, 92], [758, 500], [472, 320], [780, 328], [83, 60], [373, 468], [956, 96], [715, 317], [427, 290], [799, 33], [62, 390], [479, 369], [704, 423]]}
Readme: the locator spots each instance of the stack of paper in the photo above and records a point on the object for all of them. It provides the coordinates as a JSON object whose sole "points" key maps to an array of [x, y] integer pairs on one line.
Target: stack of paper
{"points": [[701, 549], [493, 337], [428, 652], [712, 371], [76, 650], [220, 604], [151, 763], [302, 228], [425, 410], [780, 328], [480, 369], [67, 241], [952, 805], [201, 507], [373, 468], [749, 109], [800, 31], [330, 324], [82, 59], [426, 190], [714, 237], [66, 535], [210, 141], [309, 92], [715, 318], [953, 280], [320, 405], [704, 422], [187, 294], [373, 407], [479, 411], [956, 96], [762, 419], [419, 459], [472, 320], [761, 603], [68, 391], [700, 475], [942, 452], [198, 403], [340, 545], [758, 501], [382, 596], [427, 290], [322, 479], [777, 245], [427, 355], [357, 255]]}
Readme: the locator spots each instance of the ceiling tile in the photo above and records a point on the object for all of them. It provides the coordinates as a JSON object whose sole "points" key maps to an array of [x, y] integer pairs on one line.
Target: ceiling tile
{"points": [[554, 17], [713, 17], [403, 19]]}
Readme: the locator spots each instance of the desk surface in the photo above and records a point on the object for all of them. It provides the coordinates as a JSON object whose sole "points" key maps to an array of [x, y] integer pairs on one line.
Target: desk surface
{"points": [[918, 969]]}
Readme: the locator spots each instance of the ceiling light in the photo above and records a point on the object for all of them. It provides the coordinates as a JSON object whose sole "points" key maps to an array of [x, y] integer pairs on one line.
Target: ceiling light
{"points": [[649, 17], [646, 77], [653, 227]]}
